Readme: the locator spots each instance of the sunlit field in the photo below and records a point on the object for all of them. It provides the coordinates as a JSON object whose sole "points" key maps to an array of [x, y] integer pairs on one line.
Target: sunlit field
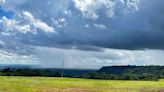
{"points": [[45, 84]]}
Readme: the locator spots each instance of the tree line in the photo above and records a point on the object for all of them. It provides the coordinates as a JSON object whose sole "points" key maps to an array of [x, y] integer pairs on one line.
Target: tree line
{"points": [[128, 73], [28, 72], [108, 72]]}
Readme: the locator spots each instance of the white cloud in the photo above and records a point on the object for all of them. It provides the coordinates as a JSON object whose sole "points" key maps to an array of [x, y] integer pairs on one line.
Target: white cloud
{"points": [[25, 22], [87, 26], [60, 22], [99, 26], [68, 12], [13, 58], [2, 43], [89, 8], [2, 2], [37, 23], [14, 25], [96, 26]]}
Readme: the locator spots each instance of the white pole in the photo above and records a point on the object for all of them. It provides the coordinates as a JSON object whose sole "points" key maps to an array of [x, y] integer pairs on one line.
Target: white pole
{"points": [[62, 70]]}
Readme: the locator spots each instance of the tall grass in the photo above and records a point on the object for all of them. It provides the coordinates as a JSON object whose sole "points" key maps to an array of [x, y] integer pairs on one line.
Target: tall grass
{"points": [[45, 84]]}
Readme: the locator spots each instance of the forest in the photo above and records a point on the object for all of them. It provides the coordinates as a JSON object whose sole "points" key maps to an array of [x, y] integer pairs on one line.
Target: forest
{"points": [[106, 73]]}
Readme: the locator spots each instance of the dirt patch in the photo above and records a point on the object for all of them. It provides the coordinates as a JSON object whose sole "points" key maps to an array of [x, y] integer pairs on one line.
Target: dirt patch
{"points": [[75, 90], [162, 90], [150, 89], [64, 90]]}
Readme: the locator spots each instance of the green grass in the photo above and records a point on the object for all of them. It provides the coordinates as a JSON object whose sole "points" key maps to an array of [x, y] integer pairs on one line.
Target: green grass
{"points": [[46, 84]]}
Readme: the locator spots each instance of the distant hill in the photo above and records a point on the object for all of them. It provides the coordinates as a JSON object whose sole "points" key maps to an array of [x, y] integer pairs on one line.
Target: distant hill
{"points": [[129, 73], [31, 70], [132, 69], [2, 66], [108, 72]]}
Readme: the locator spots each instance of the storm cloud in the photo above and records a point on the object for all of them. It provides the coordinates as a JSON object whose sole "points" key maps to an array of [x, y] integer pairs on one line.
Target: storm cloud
{"points": [[119, 24], [83, 25]]}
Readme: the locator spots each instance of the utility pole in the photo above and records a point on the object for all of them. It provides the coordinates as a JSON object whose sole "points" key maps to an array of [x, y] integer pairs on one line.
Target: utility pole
{"points": [[62, 68]]}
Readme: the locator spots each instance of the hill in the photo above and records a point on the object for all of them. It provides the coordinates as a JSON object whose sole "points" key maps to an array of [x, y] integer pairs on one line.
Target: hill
{"points": [[108, 72]]}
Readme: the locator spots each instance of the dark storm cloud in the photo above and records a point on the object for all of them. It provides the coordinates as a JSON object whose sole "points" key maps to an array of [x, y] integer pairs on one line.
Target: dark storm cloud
{"points": [[128, 25]]}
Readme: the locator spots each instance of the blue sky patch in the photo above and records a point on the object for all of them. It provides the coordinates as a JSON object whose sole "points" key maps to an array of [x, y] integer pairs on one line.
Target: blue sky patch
{"points": [[4, 13]]}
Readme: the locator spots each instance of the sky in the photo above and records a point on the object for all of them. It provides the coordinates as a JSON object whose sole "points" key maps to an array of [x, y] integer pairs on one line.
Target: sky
{"points": [[85, 34]]}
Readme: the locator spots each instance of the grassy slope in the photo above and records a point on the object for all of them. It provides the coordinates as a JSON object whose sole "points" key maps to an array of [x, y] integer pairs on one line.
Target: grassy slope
{"points": [[43, 84]]}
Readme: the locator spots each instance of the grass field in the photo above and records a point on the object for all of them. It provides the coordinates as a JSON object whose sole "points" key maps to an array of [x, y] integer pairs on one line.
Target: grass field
{"points": [[45, 84]]}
